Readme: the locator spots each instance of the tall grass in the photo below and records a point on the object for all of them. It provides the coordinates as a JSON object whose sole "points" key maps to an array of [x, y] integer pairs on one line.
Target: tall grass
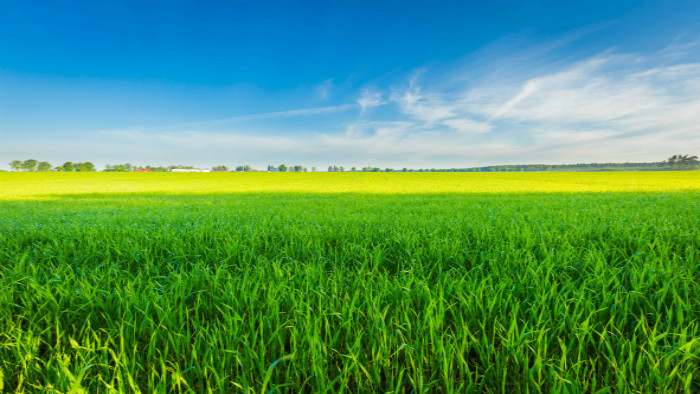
{"points": [[350, 283]]}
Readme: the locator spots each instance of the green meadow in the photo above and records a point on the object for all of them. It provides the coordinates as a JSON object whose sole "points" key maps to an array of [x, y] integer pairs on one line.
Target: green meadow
{"points": [[350, 282]]}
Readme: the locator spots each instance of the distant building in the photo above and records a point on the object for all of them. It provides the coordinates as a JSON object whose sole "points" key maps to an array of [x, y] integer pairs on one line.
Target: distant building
{"points": [[143, 170]]}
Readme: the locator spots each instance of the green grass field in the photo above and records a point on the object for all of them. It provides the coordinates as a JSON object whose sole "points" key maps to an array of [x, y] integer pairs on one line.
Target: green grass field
{"points": [[354, 282]]}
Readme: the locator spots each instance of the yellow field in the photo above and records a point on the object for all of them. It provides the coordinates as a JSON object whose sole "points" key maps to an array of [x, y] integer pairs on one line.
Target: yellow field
{"points": [[20, 186]]}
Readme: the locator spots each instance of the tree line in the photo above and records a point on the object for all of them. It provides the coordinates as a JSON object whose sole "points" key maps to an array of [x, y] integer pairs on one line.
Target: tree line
{"points": [[676, 162], [680, 161], [284, 168], [32, 165]]}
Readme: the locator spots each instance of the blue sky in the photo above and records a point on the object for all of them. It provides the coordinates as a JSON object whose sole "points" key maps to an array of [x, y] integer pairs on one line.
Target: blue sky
{"points": [[394, 83]]}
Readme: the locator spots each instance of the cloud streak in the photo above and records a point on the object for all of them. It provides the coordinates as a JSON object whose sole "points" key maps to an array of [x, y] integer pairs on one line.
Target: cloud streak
{"points": [[370, 98], [304, 112]]}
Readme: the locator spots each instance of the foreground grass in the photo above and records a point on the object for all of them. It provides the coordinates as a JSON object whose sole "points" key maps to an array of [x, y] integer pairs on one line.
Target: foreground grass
{"points": [[350, 282]]}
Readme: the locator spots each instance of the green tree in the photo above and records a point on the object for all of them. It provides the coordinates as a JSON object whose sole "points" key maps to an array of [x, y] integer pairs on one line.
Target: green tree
{"points": [[16, 165], [44, 166], [680, 161], [282, 168], [69, 166], [30, 165]]}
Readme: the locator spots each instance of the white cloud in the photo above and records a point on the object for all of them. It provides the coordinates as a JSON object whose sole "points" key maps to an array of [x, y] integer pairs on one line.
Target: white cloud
{"points": [[429, 108], [308, 112], [370, 98], [603, 90], [464, 125], [294, 112]]}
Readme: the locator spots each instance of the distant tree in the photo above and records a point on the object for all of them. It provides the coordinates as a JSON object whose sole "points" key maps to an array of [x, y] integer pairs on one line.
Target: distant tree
{"points": [[671, 161], [16, 165], [157, 169], [129, 167], [30, 165], [179, 166], [115, 168], [313, 169], [68, 166], [282, 168], [219, 168], [688, 160], [43, 166], [353, 169], [84, 167], [681, 161]]}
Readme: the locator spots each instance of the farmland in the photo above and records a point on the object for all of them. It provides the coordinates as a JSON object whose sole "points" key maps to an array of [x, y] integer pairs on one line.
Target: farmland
{"points": [[355, 282]]}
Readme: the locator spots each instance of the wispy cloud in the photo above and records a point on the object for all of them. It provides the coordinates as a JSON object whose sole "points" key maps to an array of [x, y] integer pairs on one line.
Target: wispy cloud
{"points": [[370, 98], [602, 89], [429, 108], [464, 125], [296, 112], [315, 111], [596, 108]]}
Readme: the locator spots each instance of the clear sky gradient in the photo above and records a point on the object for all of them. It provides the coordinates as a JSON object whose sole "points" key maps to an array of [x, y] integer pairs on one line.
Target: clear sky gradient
{"points": [[384, 83]]}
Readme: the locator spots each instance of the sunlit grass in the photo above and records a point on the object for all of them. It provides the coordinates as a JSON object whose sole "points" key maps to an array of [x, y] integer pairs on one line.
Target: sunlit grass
{"points": [[350, 282]]}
